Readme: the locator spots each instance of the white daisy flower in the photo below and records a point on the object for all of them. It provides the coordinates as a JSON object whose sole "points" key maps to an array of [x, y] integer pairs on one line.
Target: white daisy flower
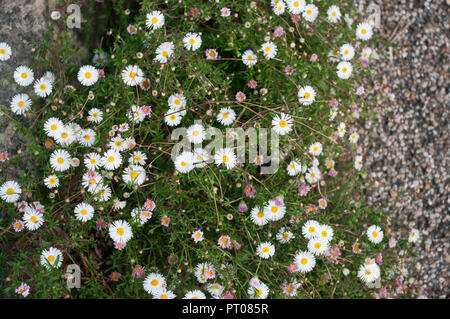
{"points": [[192, 41], [177, 102], [259, 291], [55, 15], [95, 115], [258, 216], [344, 70], [310, 229], [341, 129], [369, 273], [118, 204], [413, 235], [329, 163], [354, 137], [334, 14], [333, 113], [60, 160], [375, 234], [296, 6], [284, 236], [358, 162], [23, 75], [184, 162], [154, 20], [317, 246], [196, 134], [306, 95], [265, 250], [201, 157], [51, 258], [294, 168], [269, 50], [249, 58], [333, 55], [117, 143], [120, 231], [32, 218], [273, 211], [84, 212], [65, 136], [93, 161], [86, 137], [134, 175], [137, 157], [366, 53], [325, 232], [88, 75], [347, 52], [52, 126], [173, 117], [226, 116], [197, 236], [164, 52], [99, 59], [10, 191], [282, 124], [315, 149], [194, 294], [310, 13], [103, 194], [225, 156], [164, 294], [313, 175], [20, 103], [364, 31], [43, 88], [154, 283], [49, 76], [5, 51], [305, 261], [111, 160], [132, 75], [135, 114], [51, 181], [215, 290], [279, 8]]}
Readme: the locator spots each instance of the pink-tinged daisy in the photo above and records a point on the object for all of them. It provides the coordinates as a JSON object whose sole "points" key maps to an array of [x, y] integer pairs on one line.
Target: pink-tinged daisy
{"points": [[211, 54], [23, 290], [293, 267], [138, 272], [295, 18], [149, 204], [119, 246], [225, 12], [101, 224], [249, 191], [289, 70], [172, 259], [147, 110], [322, 203], [115, 276], [240, 96], [131, 29], [18, 226], [278, 32], [4, 156], [252, 84], [224, 241], [311, 209], [165, 221], [197, 236], [303, 190]]}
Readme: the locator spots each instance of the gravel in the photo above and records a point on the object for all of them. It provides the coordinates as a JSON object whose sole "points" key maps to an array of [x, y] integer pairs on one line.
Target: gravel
{"points": [[406, 150]]}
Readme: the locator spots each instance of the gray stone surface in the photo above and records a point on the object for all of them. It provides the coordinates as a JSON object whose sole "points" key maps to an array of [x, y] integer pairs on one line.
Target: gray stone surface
{"points": [[407, 149]]}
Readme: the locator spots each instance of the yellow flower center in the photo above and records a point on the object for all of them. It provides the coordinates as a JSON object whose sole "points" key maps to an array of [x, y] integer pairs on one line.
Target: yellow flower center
{"points": [[333, 14], [33, 219], [304, 261], [111, 159], [134, 175], [307, 95], [2, 51], [88, 75], [51, 258], [225, 158], [173, 117], [155, 282], [192, 41], [266, 249], [64, 135], [309, 11], [24, 75], [132, 75], [164, 296], [274, 209], [375, 234], [267, 49], [285, 235], [317, 245], [10, 191], [363, 31], [324, 233], [154, 20], [52, 181], [83, 211], [260, 214], [165, 54], [60, 160], [296, 4], [120, 231], [283, 123], [43, 87], [258, 292]]}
